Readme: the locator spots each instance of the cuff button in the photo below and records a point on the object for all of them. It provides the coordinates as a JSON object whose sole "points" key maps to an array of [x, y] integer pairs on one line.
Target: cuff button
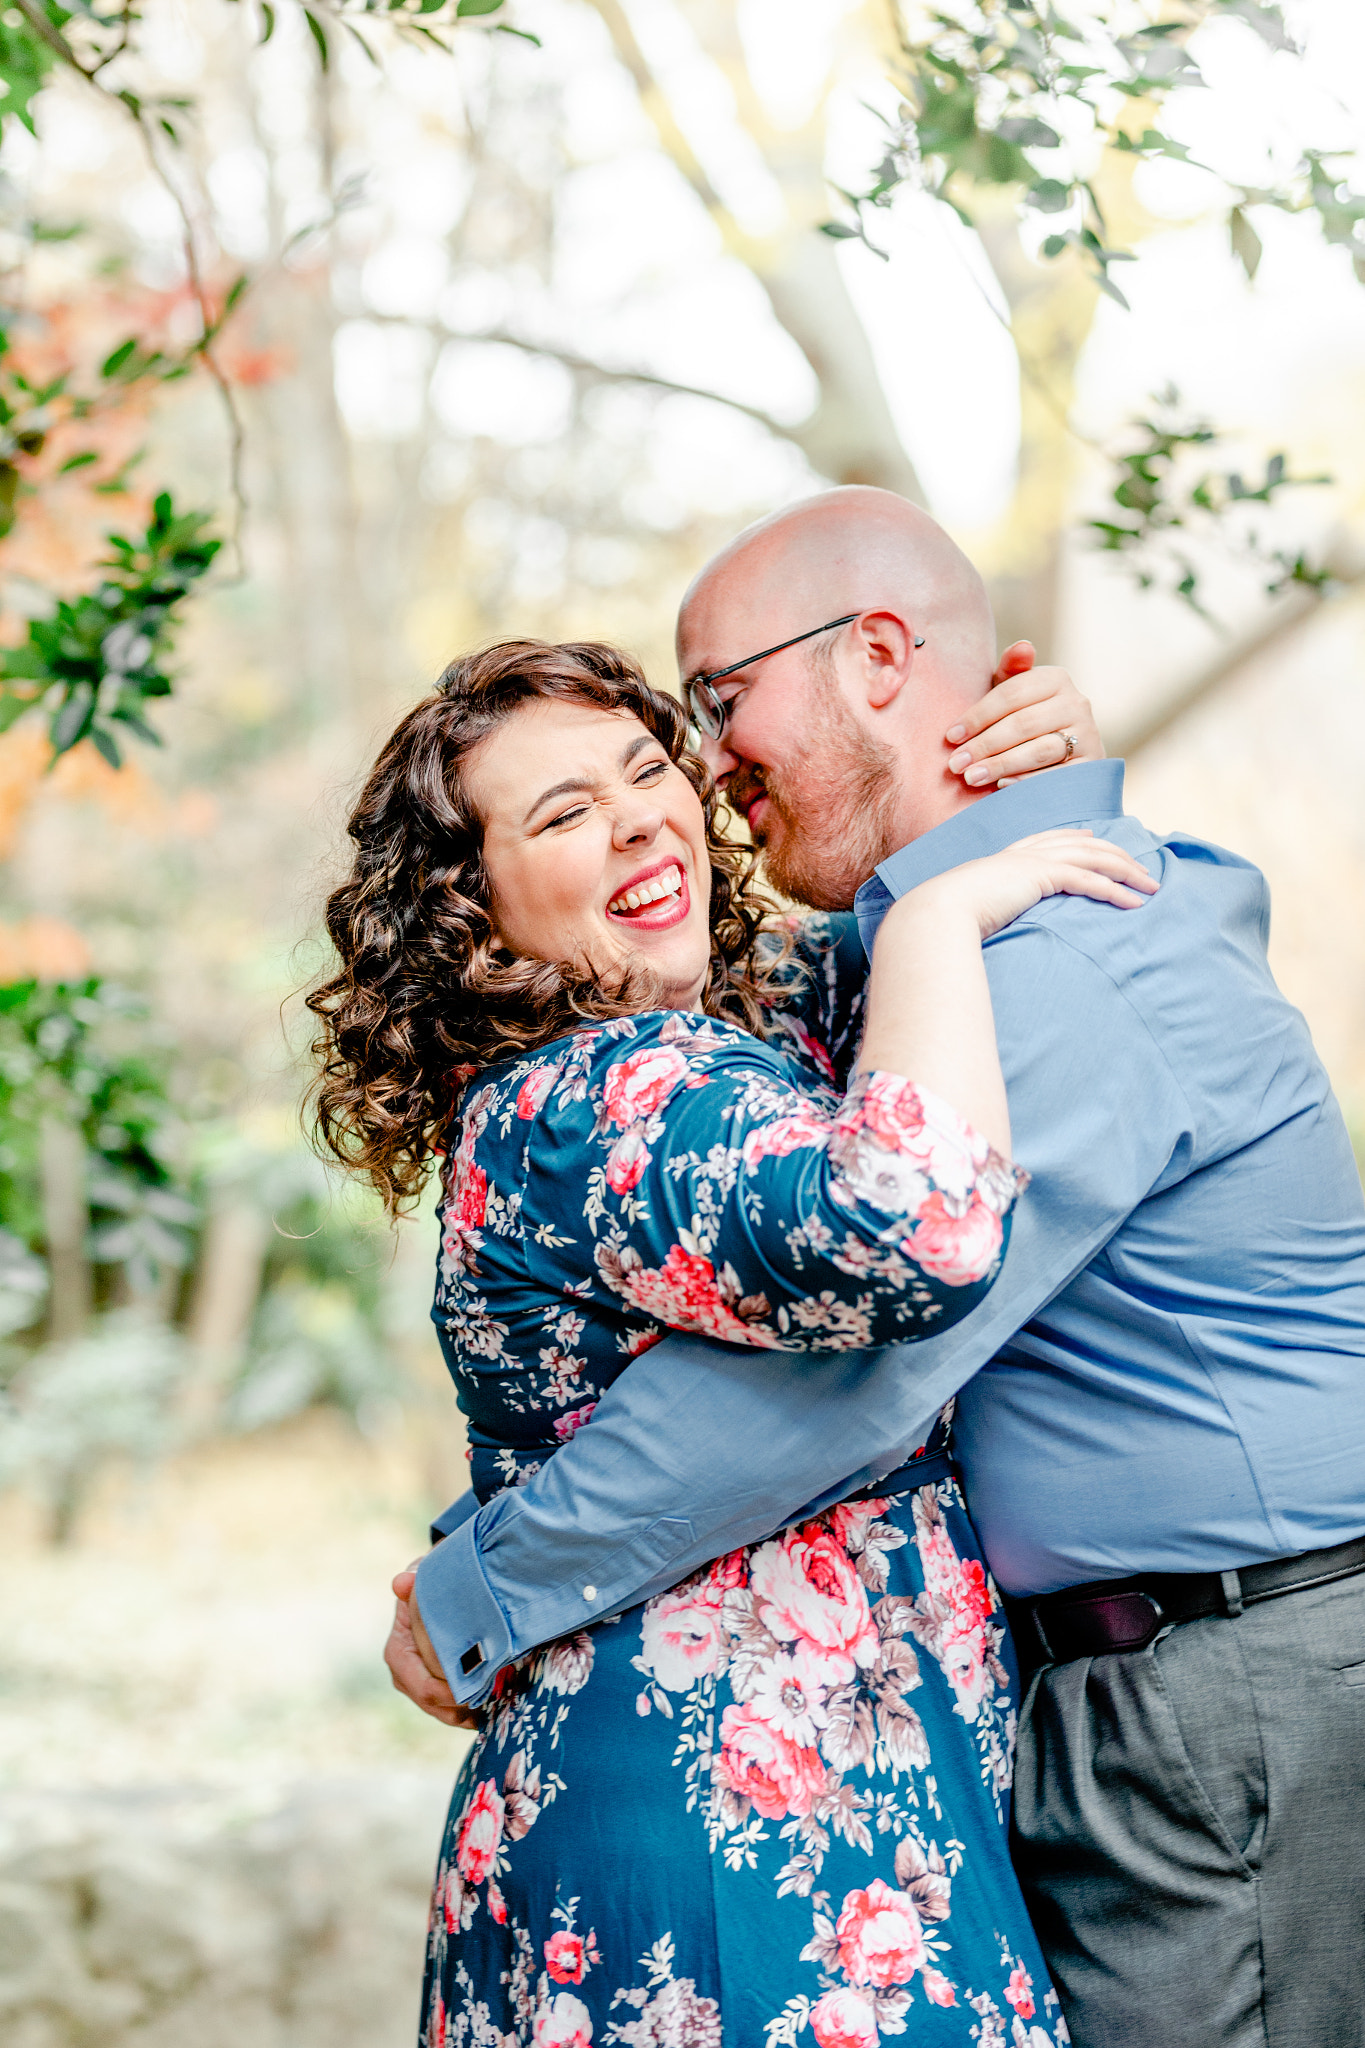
{"points": [[590, 1592]]}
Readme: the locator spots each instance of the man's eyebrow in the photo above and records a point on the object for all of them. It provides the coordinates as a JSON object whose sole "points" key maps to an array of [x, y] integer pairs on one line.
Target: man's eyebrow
{"points": [[578, 782]]}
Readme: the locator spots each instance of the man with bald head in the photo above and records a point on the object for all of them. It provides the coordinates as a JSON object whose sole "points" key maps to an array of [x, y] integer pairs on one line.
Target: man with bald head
{"points": [[1160, 1404], [829, 779]]}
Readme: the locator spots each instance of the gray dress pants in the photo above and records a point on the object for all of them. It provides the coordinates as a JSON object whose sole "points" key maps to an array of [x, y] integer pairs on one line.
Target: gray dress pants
{"points": [[1190, 1831]]}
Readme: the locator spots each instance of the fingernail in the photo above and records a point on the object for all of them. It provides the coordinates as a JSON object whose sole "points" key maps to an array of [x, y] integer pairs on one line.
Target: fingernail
{"points": [[958, 761], [954, 734], [977, 774]]}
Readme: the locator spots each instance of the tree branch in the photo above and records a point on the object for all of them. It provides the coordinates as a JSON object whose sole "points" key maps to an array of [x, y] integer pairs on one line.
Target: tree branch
{"points": [[585, 366], [851, 437], [1282, 625]]}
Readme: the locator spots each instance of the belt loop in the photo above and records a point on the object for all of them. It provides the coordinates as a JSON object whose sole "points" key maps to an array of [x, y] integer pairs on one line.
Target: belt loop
{"points": [[1232, 1594]]}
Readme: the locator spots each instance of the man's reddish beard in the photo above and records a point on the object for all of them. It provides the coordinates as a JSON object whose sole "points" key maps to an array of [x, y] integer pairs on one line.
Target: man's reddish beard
{"points": [[836, 802]]}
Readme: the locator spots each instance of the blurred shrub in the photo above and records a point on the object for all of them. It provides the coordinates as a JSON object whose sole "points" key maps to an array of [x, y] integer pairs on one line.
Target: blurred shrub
{"points": [[72, 1406]]}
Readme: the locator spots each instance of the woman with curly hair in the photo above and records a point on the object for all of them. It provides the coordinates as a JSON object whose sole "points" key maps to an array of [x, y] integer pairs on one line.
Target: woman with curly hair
{"points": [[772, 1797]]}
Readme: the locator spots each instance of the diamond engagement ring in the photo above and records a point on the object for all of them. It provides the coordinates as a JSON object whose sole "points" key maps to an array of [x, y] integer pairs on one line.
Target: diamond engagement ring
{"points": [[1069, 739]]}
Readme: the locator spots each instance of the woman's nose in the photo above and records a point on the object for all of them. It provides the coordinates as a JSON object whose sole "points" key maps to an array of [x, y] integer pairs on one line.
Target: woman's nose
{"points": [[636, 825]]}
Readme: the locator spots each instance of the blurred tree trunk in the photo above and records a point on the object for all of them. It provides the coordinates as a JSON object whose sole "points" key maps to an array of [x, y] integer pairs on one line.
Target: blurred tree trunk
{"points": [[851, 436], [66, 1220], [227, 1289]]}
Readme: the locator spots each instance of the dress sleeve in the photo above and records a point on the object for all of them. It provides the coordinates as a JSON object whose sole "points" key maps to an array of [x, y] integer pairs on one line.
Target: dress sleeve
{"points": [[724, 1199]]}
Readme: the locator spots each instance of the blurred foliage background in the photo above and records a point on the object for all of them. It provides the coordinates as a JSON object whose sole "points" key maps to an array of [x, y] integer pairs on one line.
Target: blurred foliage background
{"points": [[339, 338]]}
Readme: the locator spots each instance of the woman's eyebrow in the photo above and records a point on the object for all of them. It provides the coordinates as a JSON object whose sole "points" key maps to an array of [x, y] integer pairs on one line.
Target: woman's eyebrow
{"points": [[560, 789], [578, 782]]}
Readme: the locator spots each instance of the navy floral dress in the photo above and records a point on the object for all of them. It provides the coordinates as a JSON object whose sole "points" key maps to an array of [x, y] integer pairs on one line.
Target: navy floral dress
{"points": [[769, 1806]]}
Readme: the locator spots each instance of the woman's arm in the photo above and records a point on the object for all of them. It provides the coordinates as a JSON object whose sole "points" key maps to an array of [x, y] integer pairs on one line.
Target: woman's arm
{"points": [[928, 1004], [721, 1196]]}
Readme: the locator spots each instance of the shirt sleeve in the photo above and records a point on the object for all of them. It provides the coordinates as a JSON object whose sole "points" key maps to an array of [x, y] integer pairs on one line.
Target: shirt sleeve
{"points": [[731, 1203], [699, 1447]]}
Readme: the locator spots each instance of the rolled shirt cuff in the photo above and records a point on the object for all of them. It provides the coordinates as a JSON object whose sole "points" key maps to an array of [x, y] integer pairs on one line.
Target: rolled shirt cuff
{"points": [[449, 1519], [468, 1629]]}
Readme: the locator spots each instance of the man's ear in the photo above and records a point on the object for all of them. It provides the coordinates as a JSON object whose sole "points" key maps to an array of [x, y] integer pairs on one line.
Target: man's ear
{"points": [[889, 644]]}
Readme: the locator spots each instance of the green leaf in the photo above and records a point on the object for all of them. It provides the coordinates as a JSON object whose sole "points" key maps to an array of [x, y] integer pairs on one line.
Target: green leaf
{"points": [[268, 19], [1049, 195], [468, 7], [356, 36], [112, 364], [315, 30], [1028, 133], [81, 461], [1246, 243], [71, 721], [106, 744]]}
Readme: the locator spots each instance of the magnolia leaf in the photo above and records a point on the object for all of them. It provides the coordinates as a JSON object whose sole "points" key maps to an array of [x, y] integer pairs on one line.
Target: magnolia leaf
{"points": [[1049, 195], [1028, 133]]}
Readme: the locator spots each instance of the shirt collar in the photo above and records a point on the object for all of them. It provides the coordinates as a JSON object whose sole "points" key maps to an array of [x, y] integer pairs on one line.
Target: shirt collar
{"points": [[1074, 795]]}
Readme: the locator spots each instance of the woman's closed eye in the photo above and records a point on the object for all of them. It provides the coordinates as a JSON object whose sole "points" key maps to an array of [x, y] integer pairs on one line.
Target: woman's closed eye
{"points": [[645, 776]]}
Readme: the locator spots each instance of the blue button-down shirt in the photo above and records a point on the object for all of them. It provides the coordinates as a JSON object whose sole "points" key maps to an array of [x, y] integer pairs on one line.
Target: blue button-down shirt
{"points": [[1169, 1373]]}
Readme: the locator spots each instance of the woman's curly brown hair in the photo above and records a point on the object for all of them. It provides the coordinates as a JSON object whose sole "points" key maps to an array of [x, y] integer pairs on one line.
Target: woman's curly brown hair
{"points": [[425, 994]]}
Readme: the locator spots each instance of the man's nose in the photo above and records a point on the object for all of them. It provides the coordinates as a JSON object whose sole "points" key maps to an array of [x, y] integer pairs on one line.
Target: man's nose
{"points": [[636, 825], [717, 756]]}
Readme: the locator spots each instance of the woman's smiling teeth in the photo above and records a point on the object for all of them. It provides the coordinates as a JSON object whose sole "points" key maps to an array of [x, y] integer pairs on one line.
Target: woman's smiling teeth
{"points": [[669, 883]]}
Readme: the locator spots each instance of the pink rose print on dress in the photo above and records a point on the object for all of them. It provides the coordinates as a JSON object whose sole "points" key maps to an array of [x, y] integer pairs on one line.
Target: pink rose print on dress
{"points": [[533, 1091], [626, 1161], [468, 1194], [564, 2023], [880, 1938], [681, 1635], [764, 1766], [789, 1694], [844, 2019], [570, 1424], [568, 1956], [955, 1249], [685, 1294], [812, 1047], [1019, 1992], [786, 1134], [634, 1088], [480, 1833], [807, 1591], [890, 1108], [953, 1614]]}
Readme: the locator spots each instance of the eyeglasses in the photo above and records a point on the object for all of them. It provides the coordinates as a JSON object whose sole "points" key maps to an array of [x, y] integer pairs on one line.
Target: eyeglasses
{"points": [[707, 709]]}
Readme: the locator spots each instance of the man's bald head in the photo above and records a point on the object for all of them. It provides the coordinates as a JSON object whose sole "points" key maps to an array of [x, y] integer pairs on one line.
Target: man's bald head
{"points": [[849, 550], [834, 750]]}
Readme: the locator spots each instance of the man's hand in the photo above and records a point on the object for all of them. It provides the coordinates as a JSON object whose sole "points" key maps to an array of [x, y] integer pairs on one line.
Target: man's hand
{"points": [[413, 1664], [1020, 726]]}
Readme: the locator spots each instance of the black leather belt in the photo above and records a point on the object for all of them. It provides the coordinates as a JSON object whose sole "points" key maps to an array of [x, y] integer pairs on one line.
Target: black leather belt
{"points": [[1126, 1614]]}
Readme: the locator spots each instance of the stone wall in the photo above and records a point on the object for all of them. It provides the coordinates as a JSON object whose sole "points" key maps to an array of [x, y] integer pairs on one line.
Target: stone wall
{"points": [[159, 1919]]}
